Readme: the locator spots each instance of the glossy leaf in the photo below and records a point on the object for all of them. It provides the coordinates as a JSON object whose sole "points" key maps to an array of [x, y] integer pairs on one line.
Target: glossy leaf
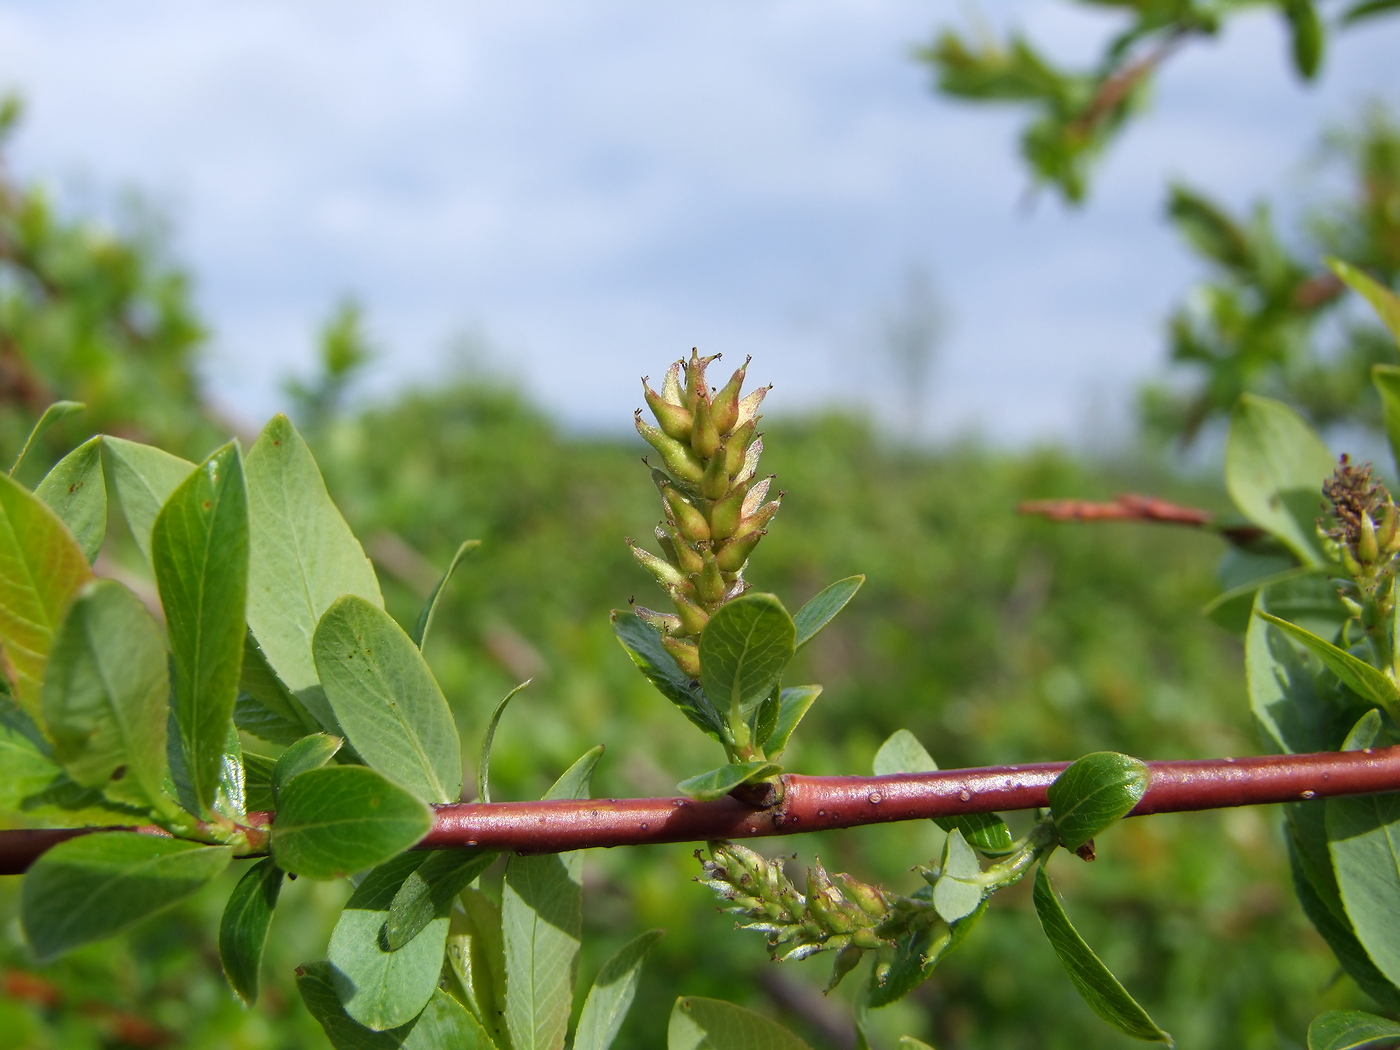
{"points": [[719, 782], [643, 644], [919, 952], [308, 753], [444, 1023], [793, 704], [199, 546], [424, 623], [1352, 1030], [1385, 302], [1366, 681], [902, 753], [41, 568], [243, 928], [1363, 834], [143, 477], [257, 781], [823, 607], [304, 557], [95, 886], [106, 695], [77, 492], [1099, 988], [342, 819], [743, 650], [711, 1024], [428, 892], [386, 700], [1274, 468], [1094, 793], [56, 411], [483, 765], [612, 993]]}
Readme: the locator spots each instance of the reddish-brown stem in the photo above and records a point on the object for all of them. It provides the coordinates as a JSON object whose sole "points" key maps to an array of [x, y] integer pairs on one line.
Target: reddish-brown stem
{"points": [[826, 803], [1129, 507]]}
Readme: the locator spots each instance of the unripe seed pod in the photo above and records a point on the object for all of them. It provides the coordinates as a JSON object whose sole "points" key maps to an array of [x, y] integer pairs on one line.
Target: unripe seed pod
{"points": [[704, 437], [675, 420], [679, 460], [671, 389], [725, 410], [714, 483], [666, 574], [690, 522], [868, 898], [668, 546], [748, 405], [754, 499], [1366, 545], [760, 518], [736, 448], [734, 552], [666, 623], [847, 959], [687, 557], [824, 902], [695, 385], [726, 514], [1349, 562], [686, 654], [710, 584], [867, 938], [1389, 529], [691, 617]]}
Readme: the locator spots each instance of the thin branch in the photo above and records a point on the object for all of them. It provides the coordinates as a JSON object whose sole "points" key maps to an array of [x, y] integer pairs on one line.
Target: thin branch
{"points": [[826, 803], [1129, 507]]}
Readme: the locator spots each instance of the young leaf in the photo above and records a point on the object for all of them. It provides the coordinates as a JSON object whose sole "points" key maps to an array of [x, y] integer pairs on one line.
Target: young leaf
{"points": [[41, 568], [243, 928], [712, 1024], [424, 623], [257, 782], [794, 702], [1363, 835], [427, 893], [56, 411], [1274, 469], [612, 993], [1386, 379], [1366, 733], [719, 782], [386, 700], [1094, 793], [304, 557], [1351, 1030], [483, 766], [444, 1023], [476, 957], [542, 923], [379, 987], [310, 752], [77, 492], [199, 545], [918, 952], [106, 695], [1385, 302], [143, 477], [956, 895], [823, 607], [1367, 682], [643, 644], [342, 819], [902, 753], [94, 886], [743, 650], [1099, 988]]}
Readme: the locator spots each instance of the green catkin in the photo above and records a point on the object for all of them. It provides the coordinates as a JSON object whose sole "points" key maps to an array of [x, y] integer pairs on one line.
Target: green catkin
{"points": [[683, 464], [690, 521], [675, 420], [724, 409]]}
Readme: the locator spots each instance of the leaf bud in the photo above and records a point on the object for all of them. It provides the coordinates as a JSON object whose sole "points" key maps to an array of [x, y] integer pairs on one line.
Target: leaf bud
{"points": [[726, 514], [675, 420], [690, 522], [714, 483], [736, 448], [733, 553], [748, 405], [692, 618], [686, 654], [666, 623], [679, 460], [710, 584], [666, 574], [725, 409], [704, 435]]}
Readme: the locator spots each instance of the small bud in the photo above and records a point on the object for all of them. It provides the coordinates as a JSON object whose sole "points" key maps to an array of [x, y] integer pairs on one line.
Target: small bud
{"points": [[725, 410], [714, 483], [748, 406], [736, 448], [710, 584], [733, 553], [704, 435], [675, 420], [1366, 547], [726, 514], [686, 654], [666, 623], [692, 618], [666, 574], [679, 460], [690, 523]]}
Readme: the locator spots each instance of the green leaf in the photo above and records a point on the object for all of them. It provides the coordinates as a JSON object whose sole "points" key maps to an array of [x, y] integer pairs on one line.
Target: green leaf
{"points": [[793, 704], [444, 1023], [918, 952], [719, 782], [310, 752], [612, 993], [1363, 835], [257, 781], [1387, 382], [378, 987], [643, 644], [483, 766], [1385, 302], [386, 700], [424, 623], [1366, 733], [1366, 681], [823, 607], [243, 928], [199, 546], [908, 1042], [77, 492], [1351, 1030], [106, 695], [542, 923], [56, 411], [1100, 989], [281, 713], [744, 648], [428, 892], [342, 819], [304, 557], [711, 1024], [902, 753], [1308, 36], [956, 895], [95, 886], [41, 568], [143, 477], [476, 957], [1274, 468], [27, 766], [1094, 793]]}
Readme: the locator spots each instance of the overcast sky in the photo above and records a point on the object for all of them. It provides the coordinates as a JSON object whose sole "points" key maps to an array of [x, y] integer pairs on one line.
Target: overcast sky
{"points": [[592, 188]]}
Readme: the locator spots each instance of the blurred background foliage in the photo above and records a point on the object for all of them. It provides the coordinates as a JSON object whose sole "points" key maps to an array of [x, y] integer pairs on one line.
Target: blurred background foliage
{"points": [[995, 638]]}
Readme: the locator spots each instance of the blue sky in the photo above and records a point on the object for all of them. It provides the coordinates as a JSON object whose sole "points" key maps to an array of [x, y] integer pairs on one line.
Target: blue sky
{"points": [[589, 189]]}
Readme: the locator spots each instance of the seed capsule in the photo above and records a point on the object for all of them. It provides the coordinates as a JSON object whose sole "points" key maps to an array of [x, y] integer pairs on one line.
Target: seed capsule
{"points": [[695, 387], [1366, 545], [710, 584], [714, 483], [847, 959], [726, 514], [733, 553], [868, 898], [687, 558], [725, 410], [675, 420], [759, 519], [692, 618], [679, 460], [668, 546], [736, 448], [687, 654], [666, 623], [666, 574], [690, 523], [704, 436]]}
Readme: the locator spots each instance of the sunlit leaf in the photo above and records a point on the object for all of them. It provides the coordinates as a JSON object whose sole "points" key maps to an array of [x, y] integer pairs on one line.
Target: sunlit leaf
{"points": [[77, 492], [243, 928]]}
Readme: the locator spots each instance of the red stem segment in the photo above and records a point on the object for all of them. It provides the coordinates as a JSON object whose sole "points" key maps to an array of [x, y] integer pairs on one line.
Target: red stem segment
{"points": [[826, 803]]}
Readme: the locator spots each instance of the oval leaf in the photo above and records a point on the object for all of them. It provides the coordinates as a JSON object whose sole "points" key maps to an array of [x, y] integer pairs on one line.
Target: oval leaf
{"points": [[56, 411], [710, 1024], [1094, 793], [743, 650], [719, 782], [444, 1023], [428, 893], [308, 753], [1363, 835], [243, 928], [77, 492], [1366, 681], [342, 819], [143, 478], [612, 993], [823, 607], [793, 704], [1351, 1030], [643, 644]]}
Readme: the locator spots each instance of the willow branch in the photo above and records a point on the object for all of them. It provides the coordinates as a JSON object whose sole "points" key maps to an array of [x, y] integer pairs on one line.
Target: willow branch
{"points": [[827, 803], [1130, 507]]}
